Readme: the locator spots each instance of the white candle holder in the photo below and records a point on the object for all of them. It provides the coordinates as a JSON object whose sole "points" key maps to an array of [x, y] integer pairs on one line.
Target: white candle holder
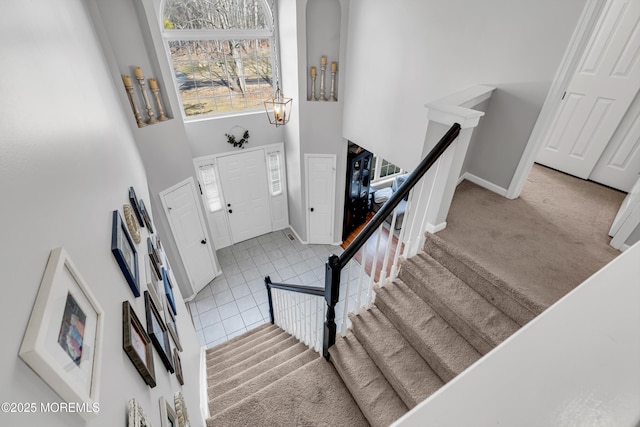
{"points": [[313, 89], [147, 104], [136, 113], [161, 116], [333, 87], [323, 68]]}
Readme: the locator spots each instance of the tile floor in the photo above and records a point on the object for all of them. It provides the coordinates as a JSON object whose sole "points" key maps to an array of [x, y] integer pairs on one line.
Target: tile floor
{"points": [[236, 301]]}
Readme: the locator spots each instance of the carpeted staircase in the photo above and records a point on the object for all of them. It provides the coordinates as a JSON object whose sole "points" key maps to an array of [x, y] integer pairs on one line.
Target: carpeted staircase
{"points": [[439, 316]]}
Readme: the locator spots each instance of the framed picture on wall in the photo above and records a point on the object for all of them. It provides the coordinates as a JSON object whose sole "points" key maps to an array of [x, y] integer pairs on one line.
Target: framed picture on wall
{"points": [[158, 332], [124, 251], [137, 417], [137, 344], [155, 258], [168, 290], [145, 216], [63, 340], [136, 206], [178, 366], [170, 320], [181, 410], [168, 416], [132, 223], [153, 285]]}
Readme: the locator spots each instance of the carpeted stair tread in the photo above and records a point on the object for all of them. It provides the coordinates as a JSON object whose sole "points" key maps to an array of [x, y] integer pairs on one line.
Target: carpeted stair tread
{"points": [[259, 346], [407, 372], [479, 322], [214, 375], [259, 381], [218, 388], [495, 290], [376, 398], [312, 395], [241, 339], [240, 348], [446, 351]]}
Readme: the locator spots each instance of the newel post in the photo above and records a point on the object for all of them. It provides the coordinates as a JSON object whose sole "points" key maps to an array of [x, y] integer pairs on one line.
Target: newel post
{"points": [[267, 282], [331, 296]]}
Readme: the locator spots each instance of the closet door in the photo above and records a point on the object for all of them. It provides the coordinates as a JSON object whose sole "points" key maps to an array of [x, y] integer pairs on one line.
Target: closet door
{"points": [[246, 194]]}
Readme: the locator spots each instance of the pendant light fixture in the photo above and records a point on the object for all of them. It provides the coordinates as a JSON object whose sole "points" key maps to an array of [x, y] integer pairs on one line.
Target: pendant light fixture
{"points": [[278, 109]]}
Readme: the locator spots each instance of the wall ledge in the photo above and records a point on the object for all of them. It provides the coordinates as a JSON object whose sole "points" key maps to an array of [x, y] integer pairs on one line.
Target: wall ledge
{"points": [[457, 107]]}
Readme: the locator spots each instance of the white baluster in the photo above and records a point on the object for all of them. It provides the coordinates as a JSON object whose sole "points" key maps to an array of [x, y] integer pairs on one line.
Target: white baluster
{"points": [[373, 269], [412, 236], [402, 245], [319, 317], [277, 307], [363, 254], [383, 273], [304, 319], [345, 311]]}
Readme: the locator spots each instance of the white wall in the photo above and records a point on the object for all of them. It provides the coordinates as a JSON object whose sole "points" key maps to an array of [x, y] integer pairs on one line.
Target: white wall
{"points": [[127, 41], [67, 159], [574, 365], [404, 55]]}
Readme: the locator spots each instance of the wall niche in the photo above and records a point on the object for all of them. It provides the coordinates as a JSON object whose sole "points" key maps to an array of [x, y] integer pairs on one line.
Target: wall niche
{"points": [[323, 39]]}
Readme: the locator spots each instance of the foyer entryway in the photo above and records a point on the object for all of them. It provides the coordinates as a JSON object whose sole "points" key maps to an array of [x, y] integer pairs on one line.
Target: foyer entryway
{"points": [[236, 301]]}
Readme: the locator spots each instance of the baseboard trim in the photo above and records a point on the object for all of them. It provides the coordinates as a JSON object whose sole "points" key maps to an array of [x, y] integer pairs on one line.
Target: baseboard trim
{"points": [[435, 228], [297, 236], [485, 184], [204, 395]]}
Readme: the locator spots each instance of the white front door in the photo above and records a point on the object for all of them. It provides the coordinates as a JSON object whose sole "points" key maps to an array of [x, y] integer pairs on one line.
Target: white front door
{"points": [[187, 225], [246, 194], [599, 94], [321, 185]]}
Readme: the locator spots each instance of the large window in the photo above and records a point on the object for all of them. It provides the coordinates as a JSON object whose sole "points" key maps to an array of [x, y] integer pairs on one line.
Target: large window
{"points": [[383, 169], [209, 187], [221, 51]]}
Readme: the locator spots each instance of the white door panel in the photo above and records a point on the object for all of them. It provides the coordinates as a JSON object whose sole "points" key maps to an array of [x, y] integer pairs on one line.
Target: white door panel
{"points": [[188, 229], [599, 94], [244, 185], [619, 165], [321, 183]]}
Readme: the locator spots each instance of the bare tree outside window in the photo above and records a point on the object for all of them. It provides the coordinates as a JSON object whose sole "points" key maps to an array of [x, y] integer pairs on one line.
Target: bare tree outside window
{"points": [[216, 73]]}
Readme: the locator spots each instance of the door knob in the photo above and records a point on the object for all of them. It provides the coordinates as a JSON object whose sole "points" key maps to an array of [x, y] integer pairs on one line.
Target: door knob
{"points": [[230, 211], [311, 209], [203, 241], [228, 205]]}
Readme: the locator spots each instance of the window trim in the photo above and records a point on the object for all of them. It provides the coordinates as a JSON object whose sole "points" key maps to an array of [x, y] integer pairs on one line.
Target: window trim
{"points": [[203, 192], [278, 156], [169, 35], [376, 179]]}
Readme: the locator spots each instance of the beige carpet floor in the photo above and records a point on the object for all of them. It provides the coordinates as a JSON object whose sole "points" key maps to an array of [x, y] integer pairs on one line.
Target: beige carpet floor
{"points": [[544, 243]]}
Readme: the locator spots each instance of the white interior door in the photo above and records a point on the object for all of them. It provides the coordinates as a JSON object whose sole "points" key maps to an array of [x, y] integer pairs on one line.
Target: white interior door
{"points": [[627, 219], [244, 185], [321, 186], [599, 94], [619, 165], [187, 225]]}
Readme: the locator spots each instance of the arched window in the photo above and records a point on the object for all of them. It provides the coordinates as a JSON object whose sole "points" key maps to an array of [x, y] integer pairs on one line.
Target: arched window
{"points": [[221, 52]]}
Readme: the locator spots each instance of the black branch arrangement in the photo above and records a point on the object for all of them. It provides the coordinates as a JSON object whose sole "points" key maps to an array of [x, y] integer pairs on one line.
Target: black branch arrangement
{"points": [[231, 139]]}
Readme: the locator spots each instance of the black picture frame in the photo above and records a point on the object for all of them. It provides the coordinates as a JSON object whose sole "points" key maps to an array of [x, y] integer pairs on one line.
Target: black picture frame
{"points": [[170, 320], [137, 344], [178, 364], [157, 331], [155, 258], [145, 216], [125, 253], [136, 207], [168, 290]]}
